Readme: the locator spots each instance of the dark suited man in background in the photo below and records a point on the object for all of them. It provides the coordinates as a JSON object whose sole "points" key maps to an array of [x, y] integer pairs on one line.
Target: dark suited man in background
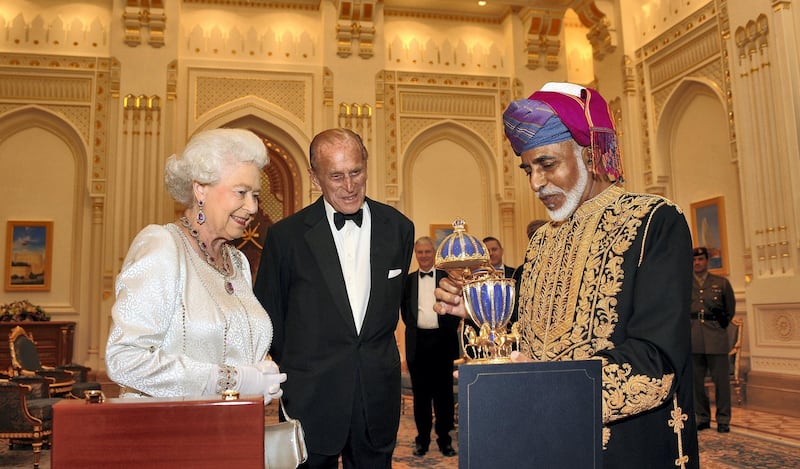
{"points": [[713, 307], [332, 278], [496, 256], [431, 346]]}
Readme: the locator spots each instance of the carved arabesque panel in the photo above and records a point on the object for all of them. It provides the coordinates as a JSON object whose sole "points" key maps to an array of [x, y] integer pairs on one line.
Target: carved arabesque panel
{"points": [[214, 91], [414, 102]]}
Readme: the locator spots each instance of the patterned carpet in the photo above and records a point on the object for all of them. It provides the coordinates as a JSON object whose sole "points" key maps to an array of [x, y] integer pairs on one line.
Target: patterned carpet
{"points": [[740, 449], [744, 447]]}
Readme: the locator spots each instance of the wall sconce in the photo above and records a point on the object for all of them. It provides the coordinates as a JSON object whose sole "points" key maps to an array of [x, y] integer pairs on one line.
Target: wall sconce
{"points": [[356, 117]]}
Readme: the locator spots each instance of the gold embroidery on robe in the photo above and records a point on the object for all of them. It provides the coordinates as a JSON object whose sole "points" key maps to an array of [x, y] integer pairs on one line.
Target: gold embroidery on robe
{"points": [[677, 421], [627, 394], [568, 298]]}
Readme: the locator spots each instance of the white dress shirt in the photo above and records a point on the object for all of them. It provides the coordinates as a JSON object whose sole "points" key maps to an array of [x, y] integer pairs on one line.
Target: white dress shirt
{"points": [[353, 248], [426, 316]]}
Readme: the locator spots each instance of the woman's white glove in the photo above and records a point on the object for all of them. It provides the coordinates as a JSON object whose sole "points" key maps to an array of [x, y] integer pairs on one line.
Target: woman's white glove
{"points": [[262, 378]]}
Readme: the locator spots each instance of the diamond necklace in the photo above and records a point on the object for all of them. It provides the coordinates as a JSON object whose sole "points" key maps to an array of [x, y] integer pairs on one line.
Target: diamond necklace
{"points": [[225, 270]]}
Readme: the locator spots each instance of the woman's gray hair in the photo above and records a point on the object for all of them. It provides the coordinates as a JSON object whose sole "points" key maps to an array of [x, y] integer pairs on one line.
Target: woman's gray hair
{"points": [[205, 157]]}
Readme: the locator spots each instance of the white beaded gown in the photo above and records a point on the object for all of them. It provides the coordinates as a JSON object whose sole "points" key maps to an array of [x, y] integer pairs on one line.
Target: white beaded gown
{"points": [[174, 323]]}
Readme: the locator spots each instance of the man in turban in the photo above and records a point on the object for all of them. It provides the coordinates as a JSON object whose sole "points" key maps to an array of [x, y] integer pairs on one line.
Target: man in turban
{"points": [[607, 277]]}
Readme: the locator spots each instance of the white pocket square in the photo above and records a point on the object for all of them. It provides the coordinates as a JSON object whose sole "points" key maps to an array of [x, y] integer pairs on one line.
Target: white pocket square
{"points": [[395, 272]]}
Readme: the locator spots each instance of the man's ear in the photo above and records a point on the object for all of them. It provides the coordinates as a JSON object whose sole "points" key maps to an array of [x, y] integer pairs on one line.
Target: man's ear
{"points": [[313, 176], [586, 155]]}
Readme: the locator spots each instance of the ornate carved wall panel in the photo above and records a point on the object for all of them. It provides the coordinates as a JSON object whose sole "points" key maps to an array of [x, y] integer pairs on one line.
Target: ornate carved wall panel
{"points": [[144, 18], [416, 101], [447, 56], [671, 62], [250, 44], [412, 126], [30, 32], [77, 88], [777, 334], [692, 49], [778, 325], [287, 93]]}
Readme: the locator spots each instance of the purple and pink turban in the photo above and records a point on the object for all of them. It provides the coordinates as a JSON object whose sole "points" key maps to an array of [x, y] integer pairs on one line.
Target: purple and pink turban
{"points": [[564, 111]]}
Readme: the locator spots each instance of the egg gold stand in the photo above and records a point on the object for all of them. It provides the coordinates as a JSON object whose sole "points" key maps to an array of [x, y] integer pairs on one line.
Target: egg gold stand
{"points": [[488, 297]]}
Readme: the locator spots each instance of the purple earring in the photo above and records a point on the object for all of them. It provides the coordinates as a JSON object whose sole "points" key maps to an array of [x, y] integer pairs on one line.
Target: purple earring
{"points": [[201, 216]]}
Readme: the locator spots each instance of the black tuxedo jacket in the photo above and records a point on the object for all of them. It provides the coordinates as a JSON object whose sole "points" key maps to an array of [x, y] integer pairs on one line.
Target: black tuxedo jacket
{"points": [[448, 324], [301, 285]]}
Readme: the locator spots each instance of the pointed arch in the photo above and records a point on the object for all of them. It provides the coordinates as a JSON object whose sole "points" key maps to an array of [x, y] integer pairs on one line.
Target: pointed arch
{"points": [[669, 121], [70, 214], [459, 171], [694, 141]]}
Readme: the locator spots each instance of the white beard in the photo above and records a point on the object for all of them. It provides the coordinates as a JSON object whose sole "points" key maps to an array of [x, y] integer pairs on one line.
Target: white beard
{"points": [[572, 197]]}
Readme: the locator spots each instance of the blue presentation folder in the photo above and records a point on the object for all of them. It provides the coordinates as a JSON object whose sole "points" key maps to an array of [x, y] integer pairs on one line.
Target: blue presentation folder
{"points": [[530, 415]]}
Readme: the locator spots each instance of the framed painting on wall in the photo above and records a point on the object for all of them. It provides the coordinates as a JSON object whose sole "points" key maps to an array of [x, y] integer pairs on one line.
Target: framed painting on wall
{"points": [[29, 259], [708, 230], [440, 231]]}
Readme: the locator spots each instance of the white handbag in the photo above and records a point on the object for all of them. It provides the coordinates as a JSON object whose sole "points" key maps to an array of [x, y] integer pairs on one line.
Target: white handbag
{"points": [[284, 443]]}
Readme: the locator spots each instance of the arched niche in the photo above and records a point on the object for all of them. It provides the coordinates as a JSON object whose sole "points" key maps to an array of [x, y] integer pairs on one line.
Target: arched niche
{"points": [[694, 147], [43, 169], [449, 171]]}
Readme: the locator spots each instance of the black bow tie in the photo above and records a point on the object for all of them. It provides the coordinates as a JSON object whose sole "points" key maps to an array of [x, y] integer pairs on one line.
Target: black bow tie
{"points": [[340, 218], [426, 274]]}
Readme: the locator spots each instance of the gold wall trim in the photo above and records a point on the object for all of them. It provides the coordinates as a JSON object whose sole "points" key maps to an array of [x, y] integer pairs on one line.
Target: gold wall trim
{"points": [[40, 61], [456, 105], [31, 89], [430, 15], [309, 5]]}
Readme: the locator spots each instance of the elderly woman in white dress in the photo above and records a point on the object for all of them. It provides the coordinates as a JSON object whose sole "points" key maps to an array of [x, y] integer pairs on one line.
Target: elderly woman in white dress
{"points": [[186, 321]]}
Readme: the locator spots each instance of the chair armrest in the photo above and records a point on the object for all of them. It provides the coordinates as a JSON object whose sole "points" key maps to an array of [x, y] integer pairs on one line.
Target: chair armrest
{"points": [[39, 385], [80, 372], [58, 374], [15, 407]]}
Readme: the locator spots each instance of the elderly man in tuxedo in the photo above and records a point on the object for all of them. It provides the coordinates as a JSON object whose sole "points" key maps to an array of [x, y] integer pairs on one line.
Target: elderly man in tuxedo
{"points": [[331, 279], [431, 346]]}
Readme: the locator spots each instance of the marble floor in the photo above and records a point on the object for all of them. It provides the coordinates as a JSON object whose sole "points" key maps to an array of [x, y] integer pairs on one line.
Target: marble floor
{"points": [[774, 427]]}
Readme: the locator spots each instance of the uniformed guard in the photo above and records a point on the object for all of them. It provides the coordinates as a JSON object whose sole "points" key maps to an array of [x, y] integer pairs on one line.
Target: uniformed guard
{"points": [[713, 307]]}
